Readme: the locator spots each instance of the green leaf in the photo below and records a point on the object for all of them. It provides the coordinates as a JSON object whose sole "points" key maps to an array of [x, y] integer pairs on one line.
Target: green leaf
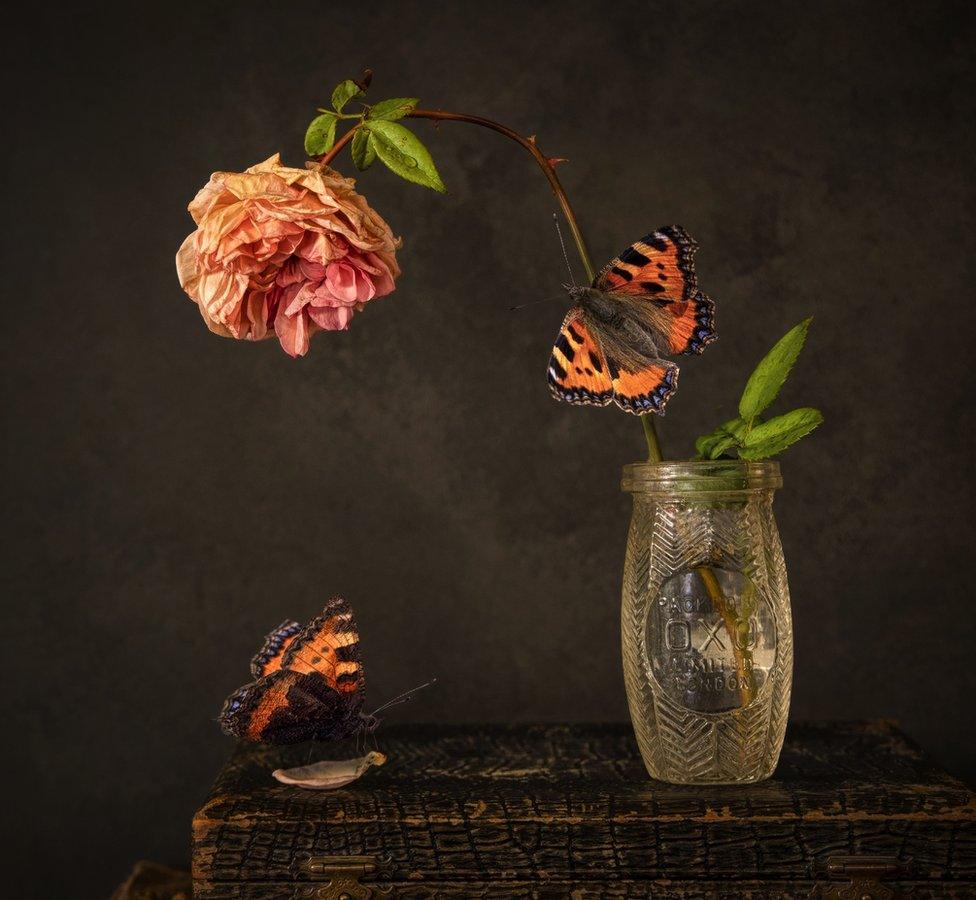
{"points": [[726, 436], [344, 92], [320, 135], [363, 152], [737, 427], [769, 375], [396, 108], [776, 434], [707, 442], [724, 442], [703, 445], [402, 152]]}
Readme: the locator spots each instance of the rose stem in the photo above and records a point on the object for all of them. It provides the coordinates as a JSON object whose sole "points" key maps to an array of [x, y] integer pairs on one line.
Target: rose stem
{"points": [[743, 658], [549, 170], [650, 432]]}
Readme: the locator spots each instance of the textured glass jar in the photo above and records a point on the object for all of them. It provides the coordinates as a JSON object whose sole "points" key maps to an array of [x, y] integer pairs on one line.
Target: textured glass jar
{"points": [[707, 635]]}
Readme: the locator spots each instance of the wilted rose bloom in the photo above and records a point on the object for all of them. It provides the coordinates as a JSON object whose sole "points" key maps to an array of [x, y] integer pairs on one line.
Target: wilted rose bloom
{"points": [[284, 251]]}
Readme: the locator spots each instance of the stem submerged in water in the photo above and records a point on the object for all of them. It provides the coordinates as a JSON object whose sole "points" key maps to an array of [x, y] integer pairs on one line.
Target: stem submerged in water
{"points": [[743, 658], [548, 166]]}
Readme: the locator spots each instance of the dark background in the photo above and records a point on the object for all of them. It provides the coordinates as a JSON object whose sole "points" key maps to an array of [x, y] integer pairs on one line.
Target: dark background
{"points": [[170, 495]]}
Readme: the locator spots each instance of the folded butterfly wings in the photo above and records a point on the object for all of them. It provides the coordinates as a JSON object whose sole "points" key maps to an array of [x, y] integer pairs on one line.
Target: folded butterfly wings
{"points": [[309, 683], [653, 283]]}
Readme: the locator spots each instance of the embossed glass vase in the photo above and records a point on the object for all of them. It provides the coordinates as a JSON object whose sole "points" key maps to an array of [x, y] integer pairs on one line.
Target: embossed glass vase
{"points": [[707, 633]]}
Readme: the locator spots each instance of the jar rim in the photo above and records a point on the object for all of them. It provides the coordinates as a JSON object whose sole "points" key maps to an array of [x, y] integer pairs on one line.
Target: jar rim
{"points": [[720, 476]]}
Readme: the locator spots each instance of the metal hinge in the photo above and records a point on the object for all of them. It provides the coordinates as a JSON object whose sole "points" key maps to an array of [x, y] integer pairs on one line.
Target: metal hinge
{"points": [[863, 875], [342, 874]]}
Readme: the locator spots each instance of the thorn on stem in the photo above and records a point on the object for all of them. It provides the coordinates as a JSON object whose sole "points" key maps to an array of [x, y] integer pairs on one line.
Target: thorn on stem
{"points": [[556, 160]]}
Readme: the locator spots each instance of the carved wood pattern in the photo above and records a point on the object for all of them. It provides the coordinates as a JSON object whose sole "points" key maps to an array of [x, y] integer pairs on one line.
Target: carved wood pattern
{"points": [[593, 890], [523, 806]]}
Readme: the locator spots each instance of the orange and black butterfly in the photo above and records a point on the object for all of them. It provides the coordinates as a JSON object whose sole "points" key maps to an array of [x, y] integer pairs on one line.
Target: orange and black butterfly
{"points": [[643, 306], [309, 684]]}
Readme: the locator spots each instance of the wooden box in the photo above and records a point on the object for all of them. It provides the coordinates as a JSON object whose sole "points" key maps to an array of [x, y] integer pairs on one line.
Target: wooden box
{"points": [[854, 810]]}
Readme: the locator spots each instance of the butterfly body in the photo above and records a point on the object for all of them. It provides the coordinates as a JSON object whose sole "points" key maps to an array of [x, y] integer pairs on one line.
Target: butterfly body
{"points": [[643, 306], [630, 333]]}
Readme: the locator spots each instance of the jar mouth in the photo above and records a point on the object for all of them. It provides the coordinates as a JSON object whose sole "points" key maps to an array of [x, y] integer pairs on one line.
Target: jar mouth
{"points": [[723, 476]]}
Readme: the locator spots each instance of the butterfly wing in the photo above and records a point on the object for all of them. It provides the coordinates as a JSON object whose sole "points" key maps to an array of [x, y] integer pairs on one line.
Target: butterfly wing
{"points": [[580, 372], [661, 268], [329, 647], [268, 658], [288, 708], [647, 390], [316, 693]]}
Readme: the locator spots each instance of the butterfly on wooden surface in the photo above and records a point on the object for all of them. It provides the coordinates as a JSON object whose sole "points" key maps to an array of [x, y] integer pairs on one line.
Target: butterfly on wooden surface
{"points": [[644, 305], [309, 684]]}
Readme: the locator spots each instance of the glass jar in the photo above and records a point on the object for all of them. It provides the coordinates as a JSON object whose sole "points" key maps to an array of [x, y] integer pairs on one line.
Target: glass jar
{"points": [[707, 633]]}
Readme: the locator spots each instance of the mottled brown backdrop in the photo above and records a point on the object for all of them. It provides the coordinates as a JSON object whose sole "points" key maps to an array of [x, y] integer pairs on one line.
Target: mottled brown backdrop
{"points": [[170, 496]]}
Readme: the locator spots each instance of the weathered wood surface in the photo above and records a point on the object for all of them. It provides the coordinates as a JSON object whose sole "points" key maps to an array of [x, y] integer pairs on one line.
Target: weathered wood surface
{"points": [[519, 806], [592, 890]]}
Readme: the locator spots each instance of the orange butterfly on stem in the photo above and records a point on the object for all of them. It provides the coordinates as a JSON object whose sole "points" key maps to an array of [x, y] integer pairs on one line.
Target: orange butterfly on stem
{"points": [[644, 305]]}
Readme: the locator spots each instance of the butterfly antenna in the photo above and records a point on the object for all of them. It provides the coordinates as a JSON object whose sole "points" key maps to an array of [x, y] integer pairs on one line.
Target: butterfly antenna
{"points": [[391, 703], [402, 698], [562, 243], [533, 302]]}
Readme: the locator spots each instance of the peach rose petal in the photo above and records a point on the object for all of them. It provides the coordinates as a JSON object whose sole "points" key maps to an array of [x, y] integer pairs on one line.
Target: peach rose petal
{"points": [[286, 252]]}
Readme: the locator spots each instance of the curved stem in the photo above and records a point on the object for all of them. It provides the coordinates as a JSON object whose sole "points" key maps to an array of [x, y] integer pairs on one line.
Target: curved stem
{"points": [[327, 158], [549, 170]]}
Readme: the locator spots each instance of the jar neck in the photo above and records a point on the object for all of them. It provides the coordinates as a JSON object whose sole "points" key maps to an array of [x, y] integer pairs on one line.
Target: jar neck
{"points": [[701, 479]]}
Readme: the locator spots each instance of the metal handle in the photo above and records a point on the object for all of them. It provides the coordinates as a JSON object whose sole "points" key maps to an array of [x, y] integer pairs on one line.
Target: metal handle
{"points": [[342, 874]]}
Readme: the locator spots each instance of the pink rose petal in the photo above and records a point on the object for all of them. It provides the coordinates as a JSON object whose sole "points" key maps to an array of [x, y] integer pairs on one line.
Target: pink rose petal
{"points": [[331, 318], [284, 251]]}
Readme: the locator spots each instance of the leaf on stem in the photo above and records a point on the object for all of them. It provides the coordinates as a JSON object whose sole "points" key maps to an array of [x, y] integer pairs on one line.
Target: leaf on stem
{"points": [[402, 152], [705, 444], [344, 92], [716, 444], [320, 135], [768, 377], [776, 434], [363, 152], [725, 437], [396, 108]]}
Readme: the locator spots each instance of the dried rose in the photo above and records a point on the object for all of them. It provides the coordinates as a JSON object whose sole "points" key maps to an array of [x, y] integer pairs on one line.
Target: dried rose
{"points": [[284, 251]]}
